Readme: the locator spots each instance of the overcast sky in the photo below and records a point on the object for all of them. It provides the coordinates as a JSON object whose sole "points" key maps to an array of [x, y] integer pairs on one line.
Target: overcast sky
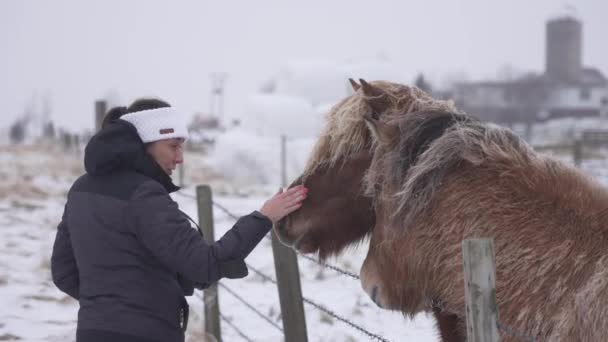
{"points": [[76, 51]]}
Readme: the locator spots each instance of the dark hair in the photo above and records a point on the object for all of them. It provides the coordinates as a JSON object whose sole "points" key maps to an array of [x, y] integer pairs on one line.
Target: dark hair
{"points": [[146, 104], [137, 106]]}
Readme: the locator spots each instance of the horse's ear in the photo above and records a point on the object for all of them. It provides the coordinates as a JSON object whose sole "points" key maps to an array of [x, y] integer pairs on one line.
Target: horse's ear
{"points": [[375, 97], [354, 84]]}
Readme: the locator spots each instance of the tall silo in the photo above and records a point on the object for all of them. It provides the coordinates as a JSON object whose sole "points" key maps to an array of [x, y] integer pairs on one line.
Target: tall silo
{"points": [[564, 49]]}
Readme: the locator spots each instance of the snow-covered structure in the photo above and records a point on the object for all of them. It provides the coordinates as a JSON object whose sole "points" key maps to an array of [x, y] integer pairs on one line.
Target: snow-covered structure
{"points": [[294, 101]]}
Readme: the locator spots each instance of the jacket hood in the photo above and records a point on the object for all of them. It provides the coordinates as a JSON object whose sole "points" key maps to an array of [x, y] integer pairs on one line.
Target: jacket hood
{"points": [[118, 147]]}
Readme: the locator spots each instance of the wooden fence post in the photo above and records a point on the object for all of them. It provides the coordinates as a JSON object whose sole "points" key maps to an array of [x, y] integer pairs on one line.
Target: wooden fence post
{"points": [[288, 277], [210, 295], [101, 107], [480, 290]]}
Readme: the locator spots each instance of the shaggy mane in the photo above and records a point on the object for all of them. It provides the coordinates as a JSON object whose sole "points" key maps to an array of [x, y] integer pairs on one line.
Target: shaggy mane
{"points": [[414, 179], [346, 133]]}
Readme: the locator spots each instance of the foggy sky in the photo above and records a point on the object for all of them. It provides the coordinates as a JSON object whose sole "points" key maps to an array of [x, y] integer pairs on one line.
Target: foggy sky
{"points": [[77, 51]]}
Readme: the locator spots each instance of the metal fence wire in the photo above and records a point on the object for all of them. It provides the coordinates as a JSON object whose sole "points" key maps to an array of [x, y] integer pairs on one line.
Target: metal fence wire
{"points": [[233, 326], [324, 309], [251, 307], [308, 301]]}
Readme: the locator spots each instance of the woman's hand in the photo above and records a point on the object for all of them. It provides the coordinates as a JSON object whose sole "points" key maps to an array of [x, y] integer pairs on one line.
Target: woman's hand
{"points": [[284, 203]]}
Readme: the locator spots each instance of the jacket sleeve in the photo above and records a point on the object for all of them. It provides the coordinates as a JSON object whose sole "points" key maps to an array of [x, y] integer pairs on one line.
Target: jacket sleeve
{"points": [[244, 236], [166, 232], [63, 264]]}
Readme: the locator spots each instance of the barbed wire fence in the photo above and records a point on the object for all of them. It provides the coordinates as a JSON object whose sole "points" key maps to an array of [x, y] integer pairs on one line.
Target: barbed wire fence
{"points": [[314, 304], [251, 307], [503, 328]]}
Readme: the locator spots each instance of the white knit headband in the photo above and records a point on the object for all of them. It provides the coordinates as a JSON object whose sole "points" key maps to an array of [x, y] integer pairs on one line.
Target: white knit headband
{"points": [[158, 124]]}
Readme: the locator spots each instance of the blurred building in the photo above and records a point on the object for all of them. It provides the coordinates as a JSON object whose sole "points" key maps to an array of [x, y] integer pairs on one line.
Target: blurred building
{"points": [[565, 89]]}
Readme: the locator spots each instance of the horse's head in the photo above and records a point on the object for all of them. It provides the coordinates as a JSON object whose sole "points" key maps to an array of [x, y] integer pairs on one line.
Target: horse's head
{"points": [[338, 211], [335, 212]]}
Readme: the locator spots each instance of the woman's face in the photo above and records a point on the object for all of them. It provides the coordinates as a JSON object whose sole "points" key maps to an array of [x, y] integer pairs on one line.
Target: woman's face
{"points": [[167, 153]]}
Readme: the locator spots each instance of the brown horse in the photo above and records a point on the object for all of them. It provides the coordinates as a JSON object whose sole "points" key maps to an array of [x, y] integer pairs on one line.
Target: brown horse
{"points": [[434, 177], [337, 213]]}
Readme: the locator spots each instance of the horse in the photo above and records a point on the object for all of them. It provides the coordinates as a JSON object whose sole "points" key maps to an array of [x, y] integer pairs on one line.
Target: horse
{"points": [[417, 176], [337, 213]]}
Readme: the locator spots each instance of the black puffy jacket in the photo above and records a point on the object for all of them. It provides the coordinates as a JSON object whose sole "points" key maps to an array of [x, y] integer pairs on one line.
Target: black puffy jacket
{"points": [[123, 245]]}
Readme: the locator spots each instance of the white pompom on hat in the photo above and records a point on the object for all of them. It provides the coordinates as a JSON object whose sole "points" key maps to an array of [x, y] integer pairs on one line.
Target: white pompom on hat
{"points": [[158, 124]]}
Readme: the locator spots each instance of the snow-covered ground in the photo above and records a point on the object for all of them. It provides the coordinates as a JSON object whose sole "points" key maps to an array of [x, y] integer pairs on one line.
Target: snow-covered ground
{"points": [[34, 181], [564, 130], [34, 184]]}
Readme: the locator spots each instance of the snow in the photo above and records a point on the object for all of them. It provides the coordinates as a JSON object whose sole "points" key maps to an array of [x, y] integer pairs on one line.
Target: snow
{"points": [[35, 181], [565, 130], [282, 114], [245, 158]]}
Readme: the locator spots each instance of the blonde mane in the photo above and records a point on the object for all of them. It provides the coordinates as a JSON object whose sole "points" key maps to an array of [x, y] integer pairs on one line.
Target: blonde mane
{"points": [[346, 134]]}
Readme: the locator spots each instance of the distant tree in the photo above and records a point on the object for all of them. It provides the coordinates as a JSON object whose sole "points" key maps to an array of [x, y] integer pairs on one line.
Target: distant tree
{"points": [[17, 132], [48, 130], [66, 140], [76, 141], [46, 108], [423, 84]]}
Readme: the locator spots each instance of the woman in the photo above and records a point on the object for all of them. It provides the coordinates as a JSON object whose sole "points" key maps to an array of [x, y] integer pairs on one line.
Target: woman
{"points": [[125, 251]]}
